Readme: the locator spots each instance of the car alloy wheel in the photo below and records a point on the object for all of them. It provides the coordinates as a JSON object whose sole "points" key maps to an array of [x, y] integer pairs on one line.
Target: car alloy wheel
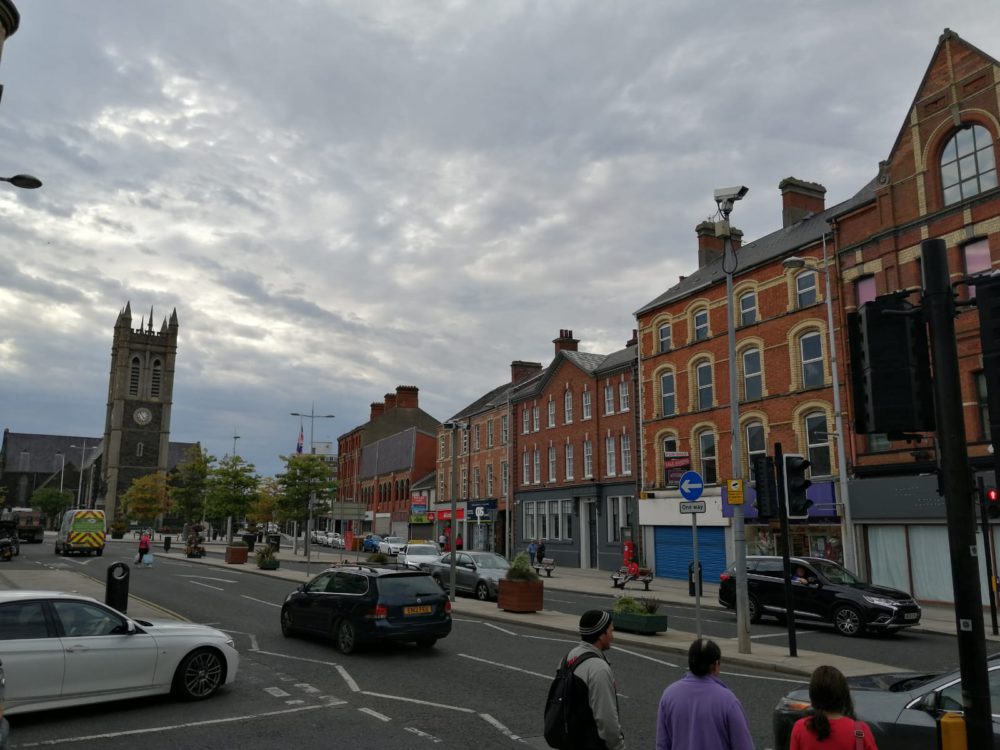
{"points": [[847, 621], [482, 591], [754, 606], [346, 637], [199, 675]]}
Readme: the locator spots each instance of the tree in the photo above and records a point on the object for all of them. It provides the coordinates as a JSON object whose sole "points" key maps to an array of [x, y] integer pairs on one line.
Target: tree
{"points": [[231, 487], [147, 498], [52, 502], [265, 506], [188, 484], [304, 475]]}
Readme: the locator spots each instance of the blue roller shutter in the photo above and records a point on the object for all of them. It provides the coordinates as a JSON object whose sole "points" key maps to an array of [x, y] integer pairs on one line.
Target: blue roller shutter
{"points": [[674, 551]]}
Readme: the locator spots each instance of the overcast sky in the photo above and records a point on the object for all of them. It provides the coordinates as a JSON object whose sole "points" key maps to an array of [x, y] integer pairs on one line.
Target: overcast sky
{"points": [[342, 197]]}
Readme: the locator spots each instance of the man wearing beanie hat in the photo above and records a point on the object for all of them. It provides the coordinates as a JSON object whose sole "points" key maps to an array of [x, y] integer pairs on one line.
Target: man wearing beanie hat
{"points": [[699, 711], [599, 727]]}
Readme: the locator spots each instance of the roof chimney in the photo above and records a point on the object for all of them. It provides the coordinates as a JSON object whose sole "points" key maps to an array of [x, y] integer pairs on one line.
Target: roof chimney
{"points": [[406, 396], [565, 341], [390, 401], [635, 338], [520, 370], [800, 199], [377, 409], [712, 247]]}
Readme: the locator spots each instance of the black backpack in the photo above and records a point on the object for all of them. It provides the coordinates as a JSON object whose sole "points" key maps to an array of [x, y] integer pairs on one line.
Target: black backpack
{"points": [[564, 714]]}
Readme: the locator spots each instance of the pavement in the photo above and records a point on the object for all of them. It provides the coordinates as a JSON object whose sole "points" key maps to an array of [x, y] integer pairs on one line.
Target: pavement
{"points": [[763, 656]]}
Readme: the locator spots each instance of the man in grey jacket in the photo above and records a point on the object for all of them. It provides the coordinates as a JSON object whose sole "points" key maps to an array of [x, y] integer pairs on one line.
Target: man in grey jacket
{"points": [[596, 633]]}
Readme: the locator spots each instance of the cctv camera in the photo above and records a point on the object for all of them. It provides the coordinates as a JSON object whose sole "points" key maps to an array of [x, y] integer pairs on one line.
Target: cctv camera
{"points": [[730, 193]]}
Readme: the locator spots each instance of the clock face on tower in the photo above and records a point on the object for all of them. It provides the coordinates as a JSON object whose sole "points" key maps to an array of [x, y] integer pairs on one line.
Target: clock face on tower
{"points": [[142, 416]]}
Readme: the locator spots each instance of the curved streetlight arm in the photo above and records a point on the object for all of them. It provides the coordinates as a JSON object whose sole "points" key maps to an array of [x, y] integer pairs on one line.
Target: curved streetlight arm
{"points": [[23, 181]]}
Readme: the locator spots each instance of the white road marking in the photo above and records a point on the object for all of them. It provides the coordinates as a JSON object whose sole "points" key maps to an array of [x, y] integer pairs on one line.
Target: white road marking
{"points": [[503, 730], [199, 583], [507, 666], [798, 681], [643, 656], [376, 714], [276, 692], [781, 634], [497, 627], [210, 578], [299, 658], [417, 701], [348, 679], [152, 730], [295, 702], [306, 687], [426, 736], [548, 638], [261, 601]]}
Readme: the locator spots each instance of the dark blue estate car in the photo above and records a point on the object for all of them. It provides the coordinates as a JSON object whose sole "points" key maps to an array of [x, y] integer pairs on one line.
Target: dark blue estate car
{"points": [[360, 604]]}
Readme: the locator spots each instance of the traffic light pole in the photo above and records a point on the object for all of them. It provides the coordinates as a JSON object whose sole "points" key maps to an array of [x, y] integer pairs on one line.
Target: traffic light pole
{"points": [[779, 467], [956, 486], [988, 544]]}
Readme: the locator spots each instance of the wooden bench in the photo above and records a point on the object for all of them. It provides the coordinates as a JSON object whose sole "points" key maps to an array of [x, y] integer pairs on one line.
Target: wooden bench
{"points": [[547, 564], [619, 579]]}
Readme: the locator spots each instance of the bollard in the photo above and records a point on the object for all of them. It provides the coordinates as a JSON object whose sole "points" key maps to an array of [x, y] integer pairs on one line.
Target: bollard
{"points": [[116, 589], [166, 544], [952, 726]]}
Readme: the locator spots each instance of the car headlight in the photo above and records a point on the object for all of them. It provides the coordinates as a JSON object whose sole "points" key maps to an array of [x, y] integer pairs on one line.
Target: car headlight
{"points": [[793, 705], [880, 601]]}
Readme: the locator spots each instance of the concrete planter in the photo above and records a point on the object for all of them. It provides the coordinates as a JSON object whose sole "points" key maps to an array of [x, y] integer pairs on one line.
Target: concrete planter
{"points": [[520, 596], [236, 555], [641, 624]]}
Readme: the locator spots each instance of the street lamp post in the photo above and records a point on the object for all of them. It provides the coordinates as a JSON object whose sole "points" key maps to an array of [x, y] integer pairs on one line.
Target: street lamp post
{"points": [[23, 181], [454, 426], [62, 469], [845, 499], [83, 458], [312, 416], [235, 438], [724, 199]]}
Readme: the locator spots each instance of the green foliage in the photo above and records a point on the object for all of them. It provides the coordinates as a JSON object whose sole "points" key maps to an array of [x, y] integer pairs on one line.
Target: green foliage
{"points": [[118, 527], [521, 569], [378, 558], [147, 498], [188, 483], [230, 488], [51, 501], [264, 553], [627, 605], [304, 475]]}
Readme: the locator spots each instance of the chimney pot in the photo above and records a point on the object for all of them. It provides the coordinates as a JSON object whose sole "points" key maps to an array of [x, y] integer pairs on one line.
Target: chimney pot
{"points": [[800, 199]]}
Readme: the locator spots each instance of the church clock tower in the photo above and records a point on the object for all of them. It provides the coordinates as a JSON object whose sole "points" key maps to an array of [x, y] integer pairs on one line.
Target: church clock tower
{"points": [[140, 394]]}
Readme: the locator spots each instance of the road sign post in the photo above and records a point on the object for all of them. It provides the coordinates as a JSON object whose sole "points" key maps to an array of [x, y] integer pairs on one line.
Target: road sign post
{"points": [[692, 485]]}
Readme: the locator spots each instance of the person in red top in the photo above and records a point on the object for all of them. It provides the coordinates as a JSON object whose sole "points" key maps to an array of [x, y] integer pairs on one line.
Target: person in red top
{"points": [[831, 725]]}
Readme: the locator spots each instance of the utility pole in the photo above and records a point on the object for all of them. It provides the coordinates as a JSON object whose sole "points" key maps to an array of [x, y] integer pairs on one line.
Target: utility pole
{"points": [[956, 486]]}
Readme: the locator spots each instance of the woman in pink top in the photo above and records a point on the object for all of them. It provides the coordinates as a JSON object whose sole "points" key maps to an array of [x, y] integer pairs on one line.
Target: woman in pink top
{"points": [[831, 725]]}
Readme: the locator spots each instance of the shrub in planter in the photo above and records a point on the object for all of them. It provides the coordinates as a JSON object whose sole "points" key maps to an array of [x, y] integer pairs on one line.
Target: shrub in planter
{"points": [[118, 529], [266, 559], [521, 590], [638, 615]]}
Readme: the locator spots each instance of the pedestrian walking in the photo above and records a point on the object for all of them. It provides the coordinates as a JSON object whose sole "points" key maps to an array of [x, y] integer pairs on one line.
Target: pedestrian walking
{"points": [[699, 711], [540, 551], [442, 539], [459, 544], [532, 551], [144, 543], [593, 716], [831, 725]]}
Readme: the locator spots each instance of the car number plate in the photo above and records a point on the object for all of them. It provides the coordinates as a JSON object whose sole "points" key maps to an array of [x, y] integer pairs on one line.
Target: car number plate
{"points": [[911, 615], [425, 609]]}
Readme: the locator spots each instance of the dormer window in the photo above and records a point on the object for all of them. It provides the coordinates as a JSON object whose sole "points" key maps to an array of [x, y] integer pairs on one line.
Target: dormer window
{"points": [[968, 165]]}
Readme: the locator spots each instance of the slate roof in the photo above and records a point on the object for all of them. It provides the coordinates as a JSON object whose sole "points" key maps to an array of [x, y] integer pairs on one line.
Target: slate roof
{"points": [[39, 454], [397, 419], [490, 400], [392, 453], [427, 483], [589, 362], [764, 250]]}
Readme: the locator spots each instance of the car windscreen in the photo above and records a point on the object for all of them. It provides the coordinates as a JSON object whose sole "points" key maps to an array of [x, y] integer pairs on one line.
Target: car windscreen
{"points": [[421, 549], [407, 587], [491, 561], [834, 573]]}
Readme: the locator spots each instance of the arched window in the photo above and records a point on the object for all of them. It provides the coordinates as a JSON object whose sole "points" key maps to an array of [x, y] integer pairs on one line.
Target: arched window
{"points": [[139, 447], [668, 395], [156, 378], [818, 444], [665, 338], [755, 444], [753, 377], [968, 165], [706, 452], [805, 289], [133, 377], [703, 378], [701, 324], [568, 406], [811, 349], [748, 309]]}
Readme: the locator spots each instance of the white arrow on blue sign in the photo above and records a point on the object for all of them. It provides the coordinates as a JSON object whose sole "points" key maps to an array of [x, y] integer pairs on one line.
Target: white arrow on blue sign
{"points": [[692, 485]]}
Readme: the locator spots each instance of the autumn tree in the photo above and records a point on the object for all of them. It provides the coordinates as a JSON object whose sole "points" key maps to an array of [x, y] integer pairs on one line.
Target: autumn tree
{"points": [[189, 484], [264, 508], [147, 498]]}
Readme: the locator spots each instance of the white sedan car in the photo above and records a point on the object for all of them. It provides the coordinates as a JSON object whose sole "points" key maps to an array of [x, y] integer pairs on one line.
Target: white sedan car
{"points": [[414, 554], [61, 649], [391, 545], [334, 539]]}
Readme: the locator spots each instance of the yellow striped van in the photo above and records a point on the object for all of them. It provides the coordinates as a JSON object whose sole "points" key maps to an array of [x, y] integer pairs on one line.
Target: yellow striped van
{"points": [[81, 531]]}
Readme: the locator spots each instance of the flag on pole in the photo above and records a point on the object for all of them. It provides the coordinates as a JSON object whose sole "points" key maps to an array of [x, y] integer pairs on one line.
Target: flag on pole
{"points": [[302, 439]]}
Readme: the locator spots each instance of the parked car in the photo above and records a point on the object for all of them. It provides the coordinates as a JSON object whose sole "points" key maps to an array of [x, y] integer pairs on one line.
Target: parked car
{"points": [[4, 726], [477, 573], [370, 543], [390, 545], [316, 536], [415, 554], [63, 649], [333, 539], [358, 604], [901, 709], [828, 594]]}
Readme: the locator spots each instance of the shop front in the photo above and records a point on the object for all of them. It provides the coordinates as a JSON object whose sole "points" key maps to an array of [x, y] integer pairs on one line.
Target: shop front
{"points": [[482, 517]]}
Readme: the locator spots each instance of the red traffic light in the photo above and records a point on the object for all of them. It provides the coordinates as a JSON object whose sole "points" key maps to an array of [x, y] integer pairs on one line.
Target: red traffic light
{"points": [[992, 495], [992, 502]]}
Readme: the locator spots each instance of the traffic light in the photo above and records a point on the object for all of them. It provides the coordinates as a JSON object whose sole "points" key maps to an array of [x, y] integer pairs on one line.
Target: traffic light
{"points": [[988, 304], [767, 492], [890, 367], [796, 484], [992, 502]]}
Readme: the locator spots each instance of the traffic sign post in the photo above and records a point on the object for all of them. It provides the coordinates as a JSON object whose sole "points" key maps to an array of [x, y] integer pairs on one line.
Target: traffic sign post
{"points": [[692, 485]]}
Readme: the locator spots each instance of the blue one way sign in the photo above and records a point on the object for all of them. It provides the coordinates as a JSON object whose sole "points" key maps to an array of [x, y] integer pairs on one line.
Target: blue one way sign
{"points": [[692, 485]]}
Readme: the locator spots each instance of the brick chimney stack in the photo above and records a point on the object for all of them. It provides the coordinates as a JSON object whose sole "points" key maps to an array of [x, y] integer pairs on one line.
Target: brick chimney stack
{"points": [[406, 397], [710, 247], [378, 408], [390, 401], [635, 338], [565, 341], [800, 199], [520, 370]]}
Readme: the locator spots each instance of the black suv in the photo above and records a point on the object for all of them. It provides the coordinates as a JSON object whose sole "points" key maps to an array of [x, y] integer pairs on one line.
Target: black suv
{"points": [[822, 591], [359, 604]]}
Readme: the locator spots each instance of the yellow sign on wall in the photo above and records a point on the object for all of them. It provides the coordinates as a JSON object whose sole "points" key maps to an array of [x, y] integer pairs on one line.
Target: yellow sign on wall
{"points": [[734, 491]]}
